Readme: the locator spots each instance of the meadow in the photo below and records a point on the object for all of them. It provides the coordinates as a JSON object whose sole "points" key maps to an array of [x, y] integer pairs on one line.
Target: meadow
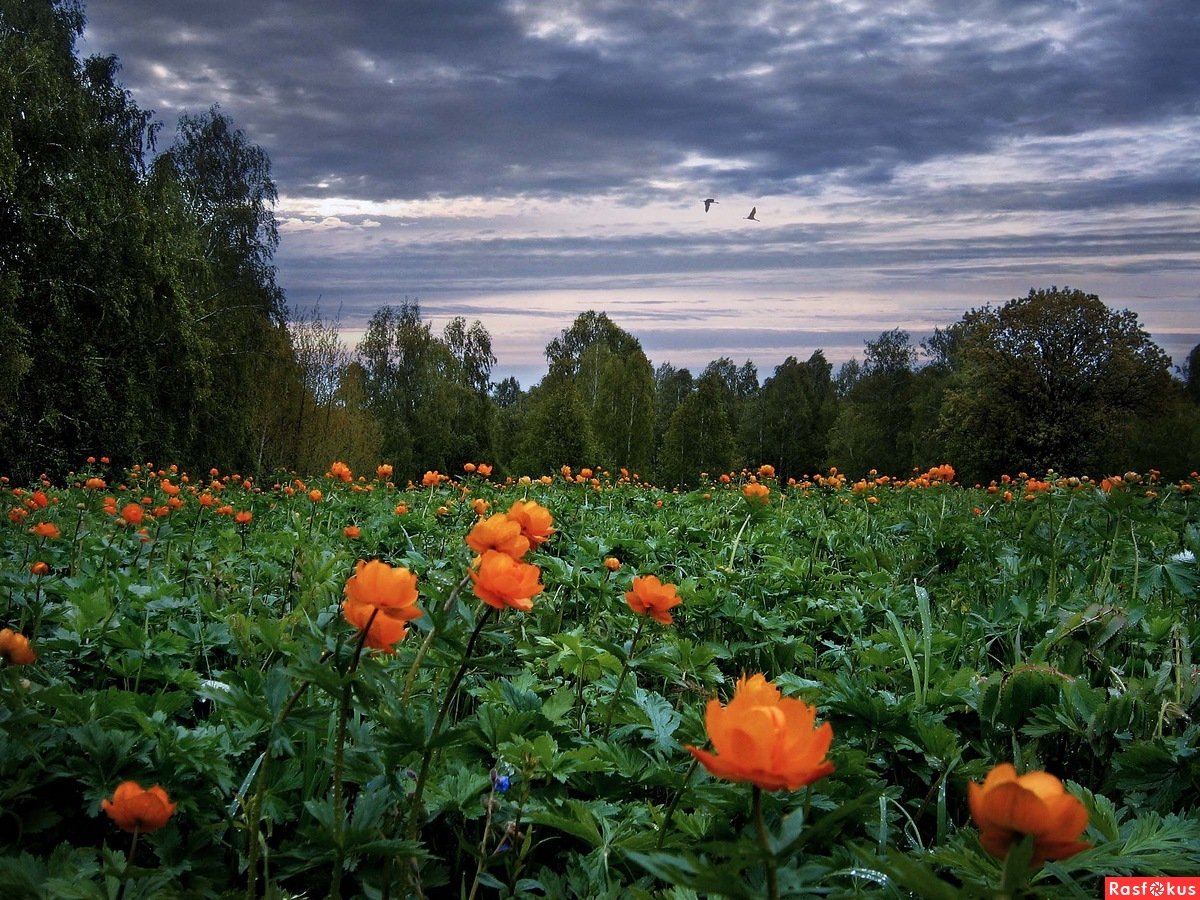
{"points": [[515, 719]]}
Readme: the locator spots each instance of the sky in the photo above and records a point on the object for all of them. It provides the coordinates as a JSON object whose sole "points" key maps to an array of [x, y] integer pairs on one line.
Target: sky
{"points": [[522, 161]]}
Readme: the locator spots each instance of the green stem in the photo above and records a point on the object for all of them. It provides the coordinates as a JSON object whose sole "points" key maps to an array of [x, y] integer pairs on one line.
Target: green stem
{"points": [[411, 677], [339, 765], [765, 842], [414, 809], [687, 777], [128, 863], [616, 698]]}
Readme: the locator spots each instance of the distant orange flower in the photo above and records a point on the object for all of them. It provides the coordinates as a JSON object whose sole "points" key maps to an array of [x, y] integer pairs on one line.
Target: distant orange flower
{"points": [[431, 479], [765, 739], [41, 567], [766, 471], [612, 563], [498, 532], [95, 484], [537, 523], [483, 469], [45, 530], [133, 514], [352, 532], [502, 581], [469, 467], [384, 471], [17, 514], [136, 809], [341, 471], [387, 592], [480, 506], [401, 509], [756, 492], [1008, 806], [15, 648], [651, 596], [244, 517]]}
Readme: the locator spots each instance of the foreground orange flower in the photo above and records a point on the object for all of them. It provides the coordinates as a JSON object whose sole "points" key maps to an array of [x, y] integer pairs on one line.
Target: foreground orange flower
{"points": [[1008, 806], [15, 648], [537, 524], [134, 808], [765, 739], [390, 593], [756, 492], [502, 581], [45, 530], [498, 532], [651, 596], [132, 513]]}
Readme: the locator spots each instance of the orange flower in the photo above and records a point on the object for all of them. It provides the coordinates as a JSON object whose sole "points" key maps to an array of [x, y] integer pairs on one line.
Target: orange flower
{"points": [[41, 567], [392, 591], [132, 513], [135, 809], [498, 532], [756, 492], [244, 517], [401, 509], [484, 469], [431, 479], [384, 471], [341, 471], [765, 739], [352, 531], [766, 471], [502, 581], [45, 530], [1008, 806], [537, 524], [15, 648], [649, 595], [95, 484], [612, 563]]}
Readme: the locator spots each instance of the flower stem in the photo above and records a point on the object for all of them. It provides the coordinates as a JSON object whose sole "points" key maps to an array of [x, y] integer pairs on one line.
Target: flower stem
{"points": [[420, 657], [687, 777], [339, 758], [765, 843], [415, 808], [616, 698]]}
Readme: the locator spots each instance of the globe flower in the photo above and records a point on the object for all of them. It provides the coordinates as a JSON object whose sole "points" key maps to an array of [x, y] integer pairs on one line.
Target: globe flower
{"points": [[45, 530], [502, 581], [132, 513], [14, 647], [650, 596], [1008, 806], [765, 739], [498, 532], [352, 532], [341, 471], [612, 563], [537, 524], [135, 809], [389, 594], [756, 492]]}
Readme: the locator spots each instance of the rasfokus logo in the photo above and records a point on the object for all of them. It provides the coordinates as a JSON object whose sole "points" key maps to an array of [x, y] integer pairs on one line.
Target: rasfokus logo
{"points": [[1151, 886]]}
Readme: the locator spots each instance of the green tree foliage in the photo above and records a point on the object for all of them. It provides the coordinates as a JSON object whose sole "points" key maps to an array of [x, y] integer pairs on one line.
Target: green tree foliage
{"points": [[787, 424], [427, 394], [1192, 374], [699, 438], [1055, 380], [557, 428], [615, 383], [874, 428]]}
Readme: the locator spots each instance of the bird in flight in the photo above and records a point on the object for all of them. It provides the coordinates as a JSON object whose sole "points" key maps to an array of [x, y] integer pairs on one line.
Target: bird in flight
{"points": [[753, 210], [709, 202]]}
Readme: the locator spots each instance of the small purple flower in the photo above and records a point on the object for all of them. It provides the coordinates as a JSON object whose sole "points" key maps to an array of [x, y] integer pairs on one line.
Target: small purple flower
{"points": [[501, 783]]}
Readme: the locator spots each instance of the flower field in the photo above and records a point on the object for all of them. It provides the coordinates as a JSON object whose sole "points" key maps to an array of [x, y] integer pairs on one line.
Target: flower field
{"points": [[583, 686]]}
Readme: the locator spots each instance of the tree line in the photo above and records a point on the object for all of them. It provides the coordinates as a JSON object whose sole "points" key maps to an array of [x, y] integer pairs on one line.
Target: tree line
{"points": [[140, 318]]}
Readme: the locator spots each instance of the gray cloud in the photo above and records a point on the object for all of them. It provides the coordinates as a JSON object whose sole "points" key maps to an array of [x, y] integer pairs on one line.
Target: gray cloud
{"points": [[940, 146]]}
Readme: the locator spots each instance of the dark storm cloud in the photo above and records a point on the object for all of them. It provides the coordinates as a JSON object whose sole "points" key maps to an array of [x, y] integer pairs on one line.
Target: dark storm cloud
{"points": [[425, 99]]}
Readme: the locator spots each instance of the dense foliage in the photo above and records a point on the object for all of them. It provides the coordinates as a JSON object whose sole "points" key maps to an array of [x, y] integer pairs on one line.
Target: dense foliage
{"points": [[189, 633]]}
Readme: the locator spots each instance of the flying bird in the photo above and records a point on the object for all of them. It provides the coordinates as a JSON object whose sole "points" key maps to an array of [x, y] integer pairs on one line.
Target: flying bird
{"points": [[753, 210], [709, 202]]}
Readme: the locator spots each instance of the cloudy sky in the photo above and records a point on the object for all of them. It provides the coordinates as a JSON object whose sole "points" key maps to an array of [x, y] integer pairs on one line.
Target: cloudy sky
{"points": [[521, 161]]}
